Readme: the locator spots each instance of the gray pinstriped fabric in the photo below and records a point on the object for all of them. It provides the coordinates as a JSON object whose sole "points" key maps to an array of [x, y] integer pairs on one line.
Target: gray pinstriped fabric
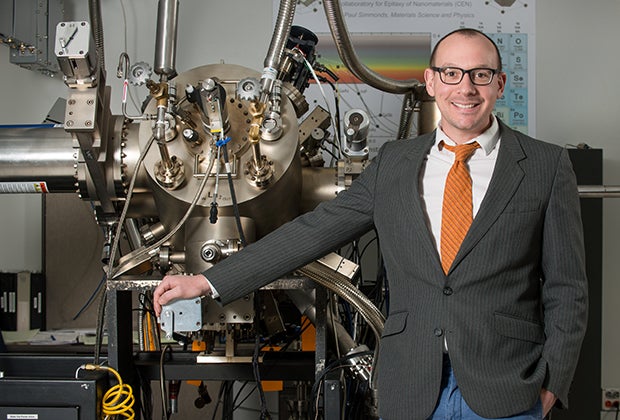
{"points": [[512, 307]]}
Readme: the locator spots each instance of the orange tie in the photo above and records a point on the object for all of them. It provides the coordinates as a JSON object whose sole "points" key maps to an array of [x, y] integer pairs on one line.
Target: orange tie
{"points": [[457, 212]]}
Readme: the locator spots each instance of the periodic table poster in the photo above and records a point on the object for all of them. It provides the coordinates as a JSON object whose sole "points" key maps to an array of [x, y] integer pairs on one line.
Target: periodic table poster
{"points": [[395, 39]]}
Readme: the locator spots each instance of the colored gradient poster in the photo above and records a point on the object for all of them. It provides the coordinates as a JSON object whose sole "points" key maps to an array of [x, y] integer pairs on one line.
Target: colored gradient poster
{"points": [[397, 56], [395, 38]]}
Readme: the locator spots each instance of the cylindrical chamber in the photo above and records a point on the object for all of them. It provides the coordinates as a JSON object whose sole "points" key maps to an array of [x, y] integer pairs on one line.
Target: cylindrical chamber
{"points": [[45, 156], [38, 154], [356, 123], [319, 184], [269, 203], [221, 238]]}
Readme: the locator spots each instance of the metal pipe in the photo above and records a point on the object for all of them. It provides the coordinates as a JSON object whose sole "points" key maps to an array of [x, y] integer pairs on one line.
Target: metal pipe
{"points": [[166, 38], [38, 154], [133, 233], [305, 302], [347, 54], [160, 138], [167, 174], [599, 191]]}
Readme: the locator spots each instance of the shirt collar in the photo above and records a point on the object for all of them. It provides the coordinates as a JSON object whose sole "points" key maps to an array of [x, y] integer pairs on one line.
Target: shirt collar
{"points": [[487, 140]]}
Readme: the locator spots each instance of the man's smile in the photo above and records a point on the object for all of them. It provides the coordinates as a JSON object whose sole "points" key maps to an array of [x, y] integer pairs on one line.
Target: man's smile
{"points": [[464, 106]]}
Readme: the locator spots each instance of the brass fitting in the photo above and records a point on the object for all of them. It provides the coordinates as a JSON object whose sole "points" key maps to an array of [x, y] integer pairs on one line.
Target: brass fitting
{"points": [[257, 110], [159, 91]]}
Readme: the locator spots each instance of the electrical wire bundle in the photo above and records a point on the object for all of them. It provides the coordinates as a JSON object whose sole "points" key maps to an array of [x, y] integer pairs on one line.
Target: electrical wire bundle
{"points": [[333, 366], [148, 328]]}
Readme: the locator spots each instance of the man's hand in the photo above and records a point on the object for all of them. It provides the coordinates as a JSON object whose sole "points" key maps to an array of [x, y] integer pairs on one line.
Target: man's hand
{"points": [[548, 400], [179, 287]]}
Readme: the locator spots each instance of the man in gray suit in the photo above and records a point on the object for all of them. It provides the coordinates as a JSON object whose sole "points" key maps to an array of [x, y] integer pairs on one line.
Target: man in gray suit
{"points": [[496, 333]]}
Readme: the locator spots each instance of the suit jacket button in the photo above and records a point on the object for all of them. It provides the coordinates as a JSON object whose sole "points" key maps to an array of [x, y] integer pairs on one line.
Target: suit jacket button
{"points": [[438, 332], [447, 291]]}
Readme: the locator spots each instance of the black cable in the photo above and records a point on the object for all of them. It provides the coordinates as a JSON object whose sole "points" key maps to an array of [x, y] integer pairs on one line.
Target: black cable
{"points": [[99, 332], [325, 140], [223, 399], [219, 400], [236, 406], [213, 211], [245, 383], [233, 196], [296, 336], [329, 151], [321, 68], [147, 302], [91, 298], [264, 413], [147, 309], [366, 247], [357, 398], [307, 325], [336, 364], [146, 404], [228, 400], [162, 383], [290, 341], [337, 106]]}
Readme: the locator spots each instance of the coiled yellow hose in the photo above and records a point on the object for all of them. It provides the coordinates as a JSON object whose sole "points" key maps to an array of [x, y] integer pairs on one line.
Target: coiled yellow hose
{"points": [[119, 399]]}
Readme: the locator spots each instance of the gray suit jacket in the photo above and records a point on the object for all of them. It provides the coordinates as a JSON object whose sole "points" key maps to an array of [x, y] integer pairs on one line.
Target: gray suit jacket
{"points": [[512, 307]]}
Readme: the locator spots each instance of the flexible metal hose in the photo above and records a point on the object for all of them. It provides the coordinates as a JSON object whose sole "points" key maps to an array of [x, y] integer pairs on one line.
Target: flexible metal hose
{"points": [[280, 33], [94, 9], [347, 54], [333, 281], [141, 343], [406, 116]]}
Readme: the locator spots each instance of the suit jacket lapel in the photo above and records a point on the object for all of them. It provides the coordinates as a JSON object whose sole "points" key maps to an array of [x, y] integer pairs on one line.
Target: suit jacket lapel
{"points": [[507, 176], [410, 195]]}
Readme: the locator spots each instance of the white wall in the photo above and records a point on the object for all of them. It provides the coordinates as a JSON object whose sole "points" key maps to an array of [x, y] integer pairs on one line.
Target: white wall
{"points": [[577, 100]]}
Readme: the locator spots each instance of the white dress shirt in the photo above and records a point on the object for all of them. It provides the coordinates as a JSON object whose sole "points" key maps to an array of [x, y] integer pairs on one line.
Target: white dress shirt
{"points": [[437, 165]]}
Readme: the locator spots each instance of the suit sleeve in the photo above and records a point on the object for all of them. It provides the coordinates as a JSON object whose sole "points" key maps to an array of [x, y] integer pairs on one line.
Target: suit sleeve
{"points": [[564, 283], [296, 243]]}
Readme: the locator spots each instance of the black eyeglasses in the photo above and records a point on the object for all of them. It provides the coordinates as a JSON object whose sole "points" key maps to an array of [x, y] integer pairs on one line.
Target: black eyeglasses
{"points": [[453, 75]]}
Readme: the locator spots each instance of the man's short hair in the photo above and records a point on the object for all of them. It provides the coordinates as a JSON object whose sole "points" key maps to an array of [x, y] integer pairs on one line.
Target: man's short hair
{"points": [[468, 32]]}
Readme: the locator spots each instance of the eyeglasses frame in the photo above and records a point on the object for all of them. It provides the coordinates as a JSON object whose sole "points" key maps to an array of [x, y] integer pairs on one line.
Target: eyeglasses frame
{"points": [[469, 72]]}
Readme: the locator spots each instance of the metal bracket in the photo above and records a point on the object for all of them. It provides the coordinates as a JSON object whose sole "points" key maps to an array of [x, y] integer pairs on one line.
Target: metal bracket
{"points": [[181, 315]]}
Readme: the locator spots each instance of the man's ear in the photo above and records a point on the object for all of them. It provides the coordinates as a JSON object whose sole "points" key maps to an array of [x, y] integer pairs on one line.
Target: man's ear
{"points": [[501, 79], [429, 78]]}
